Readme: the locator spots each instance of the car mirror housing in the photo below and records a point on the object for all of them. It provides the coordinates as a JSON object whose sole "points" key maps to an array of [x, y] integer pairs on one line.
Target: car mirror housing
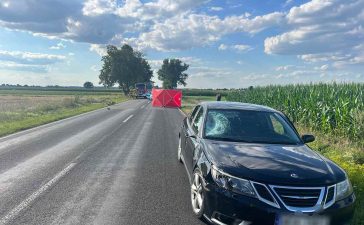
{"points": [[307, 138]]}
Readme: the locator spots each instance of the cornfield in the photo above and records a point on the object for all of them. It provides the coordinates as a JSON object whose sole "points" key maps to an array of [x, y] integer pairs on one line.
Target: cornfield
{"points": [[331, 108]]}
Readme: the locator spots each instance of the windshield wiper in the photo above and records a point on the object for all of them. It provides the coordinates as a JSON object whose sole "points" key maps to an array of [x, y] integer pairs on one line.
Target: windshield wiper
{"points": [[276, 142], [227, 139]]}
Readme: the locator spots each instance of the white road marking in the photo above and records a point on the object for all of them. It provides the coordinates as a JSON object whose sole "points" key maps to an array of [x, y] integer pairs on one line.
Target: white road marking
{"points": [[28, 201], [142, 106], [129, 117]]}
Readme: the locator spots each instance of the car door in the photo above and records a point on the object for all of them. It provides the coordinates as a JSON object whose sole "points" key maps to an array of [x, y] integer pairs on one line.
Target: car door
{"points": [[192, 138]]}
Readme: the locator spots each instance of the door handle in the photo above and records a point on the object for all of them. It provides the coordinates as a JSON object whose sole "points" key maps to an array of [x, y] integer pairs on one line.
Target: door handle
{"points": [[191, 136]]}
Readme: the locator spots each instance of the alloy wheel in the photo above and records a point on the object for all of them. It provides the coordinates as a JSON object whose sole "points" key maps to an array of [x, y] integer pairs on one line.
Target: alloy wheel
{"points": [[197, 194]]}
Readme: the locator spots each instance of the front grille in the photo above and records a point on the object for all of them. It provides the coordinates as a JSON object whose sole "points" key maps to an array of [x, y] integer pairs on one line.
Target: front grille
{"points": [[265, 195], [299, 199], [263, 192]]}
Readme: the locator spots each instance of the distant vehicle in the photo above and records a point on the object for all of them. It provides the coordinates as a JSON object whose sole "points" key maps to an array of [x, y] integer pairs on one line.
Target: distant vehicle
{"points": [[141, 90], [247, 164], [149, 96], [149, 86]]}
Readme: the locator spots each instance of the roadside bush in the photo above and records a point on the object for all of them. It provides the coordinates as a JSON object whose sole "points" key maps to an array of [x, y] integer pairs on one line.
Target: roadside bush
{"points": [[71, 102], [48, 107], [358, 157]]}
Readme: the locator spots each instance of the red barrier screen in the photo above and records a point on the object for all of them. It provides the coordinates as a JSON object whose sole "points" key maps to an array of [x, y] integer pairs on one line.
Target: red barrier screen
{"points": [[166, 98]]}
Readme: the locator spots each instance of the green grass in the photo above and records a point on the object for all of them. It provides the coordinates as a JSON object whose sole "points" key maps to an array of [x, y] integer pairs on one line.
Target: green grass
{"points": [[25, 109], [20, 92], [34, 120], [203, 92], [346, 155], [342, 150]]}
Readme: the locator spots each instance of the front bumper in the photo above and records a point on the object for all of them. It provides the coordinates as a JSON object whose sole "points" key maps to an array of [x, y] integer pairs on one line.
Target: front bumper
{"points": [[225, 207]]}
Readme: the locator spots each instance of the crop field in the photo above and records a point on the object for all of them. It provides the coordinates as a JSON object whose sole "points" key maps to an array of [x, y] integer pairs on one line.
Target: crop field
{"points": [[204, 92], [188, 102], [22, 109]]}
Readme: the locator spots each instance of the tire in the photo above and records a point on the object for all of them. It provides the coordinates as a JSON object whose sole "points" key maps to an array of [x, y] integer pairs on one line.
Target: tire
{"points": [[197, 195], [179, 157]]}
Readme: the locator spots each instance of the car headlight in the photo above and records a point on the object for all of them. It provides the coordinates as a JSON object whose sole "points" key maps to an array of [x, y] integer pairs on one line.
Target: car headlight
{"points": [[343, 189], [229, 182]]}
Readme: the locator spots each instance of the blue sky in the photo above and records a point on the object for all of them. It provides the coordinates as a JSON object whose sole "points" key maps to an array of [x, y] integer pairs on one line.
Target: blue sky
{"points": [[230, 43]]}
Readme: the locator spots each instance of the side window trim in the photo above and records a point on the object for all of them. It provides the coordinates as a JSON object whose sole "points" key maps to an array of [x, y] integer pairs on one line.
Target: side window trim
{"points": [[193, 113], [197, 113]]}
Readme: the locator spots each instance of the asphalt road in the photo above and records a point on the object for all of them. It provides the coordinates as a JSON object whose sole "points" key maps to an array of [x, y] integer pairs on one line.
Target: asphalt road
{"points": [[116, 166]]}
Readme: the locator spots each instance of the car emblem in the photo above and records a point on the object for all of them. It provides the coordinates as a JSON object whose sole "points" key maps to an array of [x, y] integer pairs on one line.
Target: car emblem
{"points": [[293, 175]]}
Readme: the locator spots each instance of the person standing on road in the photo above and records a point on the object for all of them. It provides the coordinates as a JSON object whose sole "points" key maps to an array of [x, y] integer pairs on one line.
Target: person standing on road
{"points": [[218, 97]]}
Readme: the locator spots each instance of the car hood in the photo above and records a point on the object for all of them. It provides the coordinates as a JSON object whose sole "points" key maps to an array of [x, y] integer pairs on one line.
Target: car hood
{"points": [[273, 164]]}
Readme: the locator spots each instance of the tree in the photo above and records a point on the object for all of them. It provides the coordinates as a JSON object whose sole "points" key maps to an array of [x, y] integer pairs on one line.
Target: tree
{"points": [[124, 66], [88, 84], [172, 73]]}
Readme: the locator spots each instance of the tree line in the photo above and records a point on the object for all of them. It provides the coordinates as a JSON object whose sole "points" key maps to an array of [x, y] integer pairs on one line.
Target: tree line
{"points": [[126, 66]]}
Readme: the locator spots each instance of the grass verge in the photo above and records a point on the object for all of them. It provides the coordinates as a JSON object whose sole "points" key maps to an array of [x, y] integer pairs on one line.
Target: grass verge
{"points": [[28, 111], [349, 157]]}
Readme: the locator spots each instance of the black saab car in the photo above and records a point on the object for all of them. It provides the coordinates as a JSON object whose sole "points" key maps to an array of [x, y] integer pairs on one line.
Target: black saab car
{"points": [[247, 164]]}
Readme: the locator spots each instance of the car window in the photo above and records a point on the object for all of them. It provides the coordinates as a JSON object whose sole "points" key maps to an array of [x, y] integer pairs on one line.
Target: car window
{"points": [[249, 126], [277, 126], [194, 111], [197, 123]]}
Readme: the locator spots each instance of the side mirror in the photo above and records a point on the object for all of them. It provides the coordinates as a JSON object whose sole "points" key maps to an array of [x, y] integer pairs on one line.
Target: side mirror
{"points": [[307, 138]]}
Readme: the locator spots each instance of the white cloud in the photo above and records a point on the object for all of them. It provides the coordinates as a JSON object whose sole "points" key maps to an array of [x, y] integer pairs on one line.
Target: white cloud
{"points": [[323, 67], [28, 61], [30, 57], [284, 68], [58, 46], [5, 4], [181, 32], [242, 48], [99, 49], [164, 25], [322, 31], [223, 47], [94, 68], [24, 67], [288, 2], [216, 8], [191, 61], [238, 48], [253, 77]]}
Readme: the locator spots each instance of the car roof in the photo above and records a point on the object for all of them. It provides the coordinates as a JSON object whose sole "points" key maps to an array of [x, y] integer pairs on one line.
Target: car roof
{"points": [[236, 105]]}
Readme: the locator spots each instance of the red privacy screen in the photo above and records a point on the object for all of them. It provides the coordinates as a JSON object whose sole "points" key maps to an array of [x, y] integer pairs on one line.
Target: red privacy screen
{"points": [[166, 98]]}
